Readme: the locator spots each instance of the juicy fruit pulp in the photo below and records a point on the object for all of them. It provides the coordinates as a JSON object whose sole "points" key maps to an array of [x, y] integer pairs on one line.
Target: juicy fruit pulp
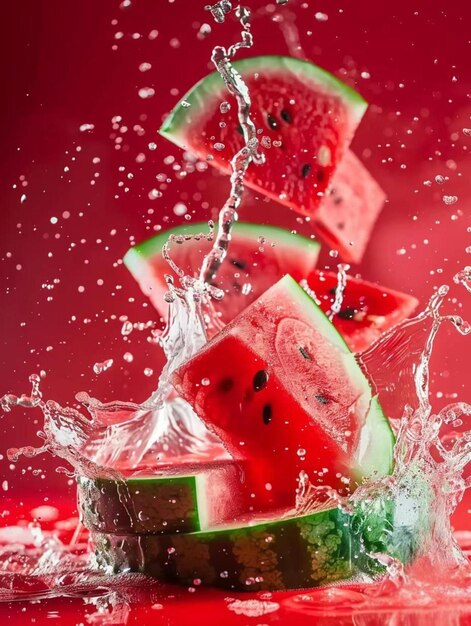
{"points": [[279, 386], [347, 215], [367, 309], [307, 117], [258, 256], [285, 553]]}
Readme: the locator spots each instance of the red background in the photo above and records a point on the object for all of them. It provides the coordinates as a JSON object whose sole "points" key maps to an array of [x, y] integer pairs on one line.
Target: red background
{"points": [[64, 67]]}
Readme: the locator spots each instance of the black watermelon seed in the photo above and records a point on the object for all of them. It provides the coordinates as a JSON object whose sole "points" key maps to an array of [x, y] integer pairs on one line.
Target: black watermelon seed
{"points": [[239, 130], [260, 380], [267, 414], [226, 385], [305, 353], [272, 123], [322, 399], [286, 116], [239, 264], [333, 291], [305, 170], [320, 174], [338, 200], [348, 313]]}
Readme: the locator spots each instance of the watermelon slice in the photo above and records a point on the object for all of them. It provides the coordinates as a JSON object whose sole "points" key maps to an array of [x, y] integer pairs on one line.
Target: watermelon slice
{"points": [[189, 494], [250, 268], [183, 497], [307, 119], [346, 217], [367, 309], [280, 553], [279, 386]]}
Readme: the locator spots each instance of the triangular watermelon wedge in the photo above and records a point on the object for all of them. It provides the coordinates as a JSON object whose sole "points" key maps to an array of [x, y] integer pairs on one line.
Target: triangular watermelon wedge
{"points": [[367, 310], [305, 115], [258, 257], [279, 386], [347, 215]]}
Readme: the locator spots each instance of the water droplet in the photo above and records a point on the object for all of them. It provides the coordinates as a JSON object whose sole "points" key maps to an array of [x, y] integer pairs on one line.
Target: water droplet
{"points": [[99, 368], [450, 199], [146, 92], [180, 209], [148, 371], [126, 329]]}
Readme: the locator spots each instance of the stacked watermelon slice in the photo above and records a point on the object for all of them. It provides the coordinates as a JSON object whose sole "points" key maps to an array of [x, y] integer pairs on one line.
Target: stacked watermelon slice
{"points": [[278, 381]]}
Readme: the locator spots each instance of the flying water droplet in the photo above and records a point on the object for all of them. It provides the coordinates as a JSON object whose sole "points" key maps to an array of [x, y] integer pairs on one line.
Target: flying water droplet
{"points": [[448, 200], [99, 368]]}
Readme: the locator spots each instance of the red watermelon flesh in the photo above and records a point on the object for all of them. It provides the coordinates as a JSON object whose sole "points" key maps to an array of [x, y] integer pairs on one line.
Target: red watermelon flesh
{"points": [[347, 215], [367, 309], [257, 258], [279, 386], [306, 119]]}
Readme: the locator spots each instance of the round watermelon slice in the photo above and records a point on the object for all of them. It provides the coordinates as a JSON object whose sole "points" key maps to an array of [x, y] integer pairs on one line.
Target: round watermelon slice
{"points": [[282, 552], [258, 256], [279, 552], [306, 118], [367, 309]]}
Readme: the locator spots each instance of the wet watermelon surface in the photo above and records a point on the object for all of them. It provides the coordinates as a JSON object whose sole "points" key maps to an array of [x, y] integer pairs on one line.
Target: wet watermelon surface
{"points": [[257, 257], [346, 217], [367, 309], [276, 382], [304, 128]]}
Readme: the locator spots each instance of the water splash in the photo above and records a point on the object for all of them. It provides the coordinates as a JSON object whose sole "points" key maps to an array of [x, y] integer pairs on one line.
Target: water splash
{"points": [[228, 215], [336, 307], [431, 455]]}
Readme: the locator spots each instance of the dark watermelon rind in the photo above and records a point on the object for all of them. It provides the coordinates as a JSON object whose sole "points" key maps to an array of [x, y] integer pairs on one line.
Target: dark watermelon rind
{"points": [[146, 505], [295, 552], [290, 553], [213, 86]]}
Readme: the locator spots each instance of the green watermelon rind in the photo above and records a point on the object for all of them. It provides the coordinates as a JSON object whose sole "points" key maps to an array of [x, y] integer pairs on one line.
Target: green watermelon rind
{"points": [[286, 551], [376, 457], [213, 85], [274, 554], [182, 500], [136, 257], [141, 505]]}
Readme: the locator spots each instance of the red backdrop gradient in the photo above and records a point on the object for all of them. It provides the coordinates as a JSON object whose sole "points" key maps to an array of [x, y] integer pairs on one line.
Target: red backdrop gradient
{"points": [[72, 202]]}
